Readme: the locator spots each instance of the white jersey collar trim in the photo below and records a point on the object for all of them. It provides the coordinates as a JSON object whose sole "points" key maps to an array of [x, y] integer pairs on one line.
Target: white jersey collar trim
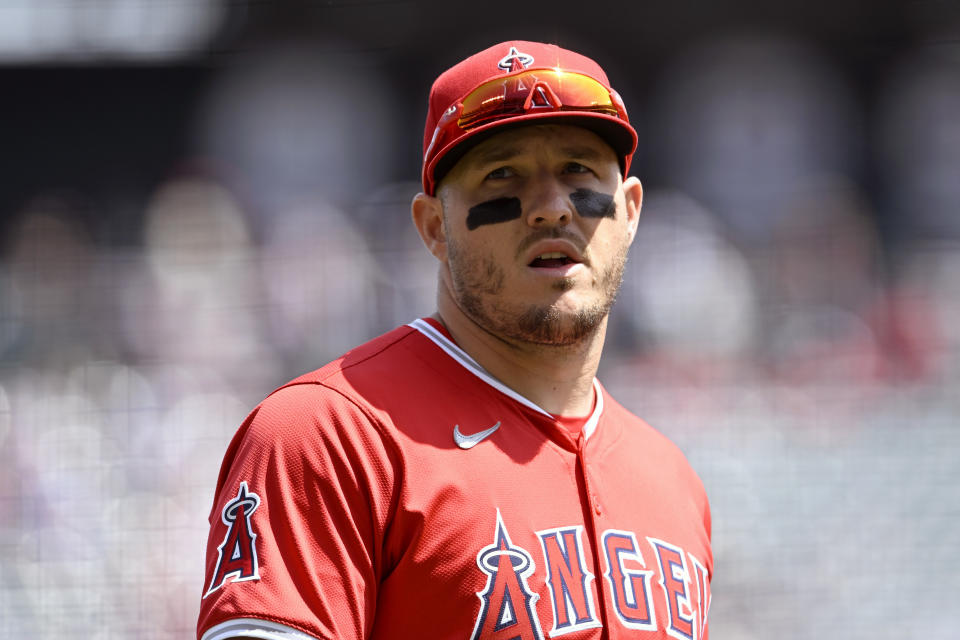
{"points": [[474, 367]]}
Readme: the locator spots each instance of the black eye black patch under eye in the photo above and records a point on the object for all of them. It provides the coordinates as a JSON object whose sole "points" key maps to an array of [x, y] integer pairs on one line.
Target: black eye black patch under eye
{"points": [[593, 204], [493, 211]]}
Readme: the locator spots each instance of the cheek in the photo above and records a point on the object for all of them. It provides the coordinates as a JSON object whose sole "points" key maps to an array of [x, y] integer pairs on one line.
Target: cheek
{"points": [[610, 242], [493, 211], [593, 204]]}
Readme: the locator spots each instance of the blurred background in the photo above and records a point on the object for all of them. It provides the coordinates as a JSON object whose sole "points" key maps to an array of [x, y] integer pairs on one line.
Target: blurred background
{"points": [[200, 199]]}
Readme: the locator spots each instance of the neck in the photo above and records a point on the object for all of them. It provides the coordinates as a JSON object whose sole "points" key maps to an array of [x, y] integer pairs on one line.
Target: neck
{"points": [[557, 378]]}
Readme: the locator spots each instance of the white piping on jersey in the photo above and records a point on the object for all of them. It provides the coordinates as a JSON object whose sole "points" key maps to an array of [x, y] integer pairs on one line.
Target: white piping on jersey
{"points": [[591, 424], [254, 628], [476, 369]]}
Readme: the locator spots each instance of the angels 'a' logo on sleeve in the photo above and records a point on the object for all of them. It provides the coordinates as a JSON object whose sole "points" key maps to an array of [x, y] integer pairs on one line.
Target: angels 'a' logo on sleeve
{"points": [[237, 554]]}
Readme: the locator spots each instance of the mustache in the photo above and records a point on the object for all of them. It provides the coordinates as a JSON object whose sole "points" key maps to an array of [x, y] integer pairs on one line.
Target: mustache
{"points": [[553, 233]]}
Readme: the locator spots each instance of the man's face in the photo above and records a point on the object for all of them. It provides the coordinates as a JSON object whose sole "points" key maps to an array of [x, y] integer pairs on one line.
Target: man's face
{"points": [[537, 222]]}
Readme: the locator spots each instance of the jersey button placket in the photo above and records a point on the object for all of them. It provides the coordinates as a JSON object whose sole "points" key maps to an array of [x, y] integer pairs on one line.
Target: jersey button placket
{"points": [[592, 514], [593, 500]]}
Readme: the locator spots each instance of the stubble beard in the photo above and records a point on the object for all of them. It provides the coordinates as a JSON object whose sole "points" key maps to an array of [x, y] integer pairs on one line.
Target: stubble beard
{"points": [[478, 281]]}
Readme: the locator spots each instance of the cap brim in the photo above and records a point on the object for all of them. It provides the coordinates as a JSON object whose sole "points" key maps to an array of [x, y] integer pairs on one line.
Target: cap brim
{"points": [[618, 134]]}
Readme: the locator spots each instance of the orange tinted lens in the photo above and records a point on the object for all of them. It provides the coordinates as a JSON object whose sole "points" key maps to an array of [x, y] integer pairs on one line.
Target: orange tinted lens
{"points": [[539, 88]]}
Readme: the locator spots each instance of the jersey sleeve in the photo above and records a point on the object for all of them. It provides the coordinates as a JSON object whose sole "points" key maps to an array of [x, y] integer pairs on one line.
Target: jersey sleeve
{"points": [[296, 530]]}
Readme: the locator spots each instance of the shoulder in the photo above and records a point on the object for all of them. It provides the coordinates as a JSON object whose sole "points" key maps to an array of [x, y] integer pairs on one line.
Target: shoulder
{"points": [[639, 435], [633, 426], [379, 373], [664, 463], [334, 384], [358, 392], [316, 432], [387, 350]]}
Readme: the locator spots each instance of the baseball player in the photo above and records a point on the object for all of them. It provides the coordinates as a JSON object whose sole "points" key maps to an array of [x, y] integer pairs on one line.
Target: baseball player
{"points": [[466, 476]]}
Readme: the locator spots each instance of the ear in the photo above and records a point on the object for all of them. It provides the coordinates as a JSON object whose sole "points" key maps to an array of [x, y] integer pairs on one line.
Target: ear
{"points": [[427, 214], [633, 197]]}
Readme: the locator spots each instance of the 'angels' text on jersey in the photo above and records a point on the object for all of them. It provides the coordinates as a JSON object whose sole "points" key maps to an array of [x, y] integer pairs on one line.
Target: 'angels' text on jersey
{"points": [[509, 606]]}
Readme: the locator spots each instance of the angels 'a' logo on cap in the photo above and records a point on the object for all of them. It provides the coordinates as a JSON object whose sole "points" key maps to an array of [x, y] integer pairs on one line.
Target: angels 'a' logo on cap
{"points": [[515, 61]]}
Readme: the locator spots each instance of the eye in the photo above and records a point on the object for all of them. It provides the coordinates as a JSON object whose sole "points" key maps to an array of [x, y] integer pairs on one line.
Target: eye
{"points": [[500, 173], [576, 167]]}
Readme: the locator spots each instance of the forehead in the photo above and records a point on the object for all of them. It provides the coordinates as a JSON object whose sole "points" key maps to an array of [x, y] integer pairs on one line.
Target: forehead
{"points": [[537, 139]]}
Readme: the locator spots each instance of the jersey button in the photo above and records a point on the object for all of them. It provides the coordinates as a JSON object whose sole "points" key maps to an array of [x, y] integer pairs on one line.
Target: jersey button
{"points": [[596, 505]]}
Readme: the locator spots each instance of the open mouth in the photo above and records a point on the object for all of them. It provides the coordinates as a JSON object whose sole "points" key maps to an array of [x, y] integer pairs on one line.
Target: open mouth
{"points": [[552, 259]]}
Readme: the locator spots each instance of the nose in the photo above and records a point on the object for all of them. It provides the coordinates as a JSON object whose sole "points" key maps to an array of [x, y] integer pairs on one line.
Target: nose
{"points": [[548, 204]]}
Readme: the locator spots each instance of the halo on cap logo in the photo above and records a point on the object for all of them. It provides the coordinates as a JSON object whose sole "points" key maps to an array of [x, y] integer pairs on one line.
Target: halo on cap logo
{"points": [[515, 61]]}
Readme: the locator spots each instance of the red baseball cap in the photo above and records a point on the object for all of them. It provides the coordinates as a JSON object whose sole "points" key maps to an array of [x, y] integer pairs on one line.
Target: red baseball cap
{"points": [[516, 83]]}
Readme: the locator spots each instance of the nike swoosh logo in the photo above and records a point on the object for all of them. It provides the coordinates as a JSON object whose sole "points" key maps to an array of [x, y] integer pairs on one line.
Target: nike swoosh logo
{"points": [[472, 440]]}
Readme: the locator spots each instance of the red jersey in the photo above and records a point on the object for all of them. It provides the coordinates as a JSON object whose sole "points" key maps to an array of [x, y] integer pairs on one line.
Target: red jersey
{"points": [[403, 492]]}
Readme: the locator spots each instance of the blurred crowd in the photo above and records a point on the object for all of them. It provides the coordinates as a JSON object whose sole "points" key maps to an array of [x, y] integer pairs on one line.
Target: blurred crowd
{"points": [[790, 316]]}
